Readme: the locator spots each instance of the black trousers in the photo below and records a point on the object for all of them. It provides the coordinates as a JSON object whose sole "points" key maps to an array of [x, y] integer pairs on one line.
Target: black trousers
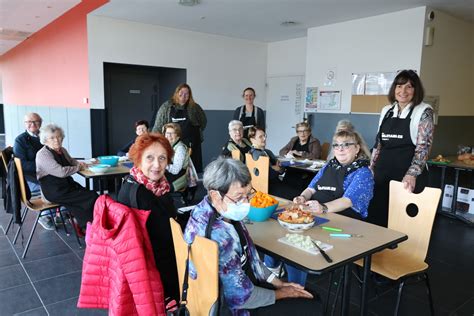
{"points": [[290, 306]]}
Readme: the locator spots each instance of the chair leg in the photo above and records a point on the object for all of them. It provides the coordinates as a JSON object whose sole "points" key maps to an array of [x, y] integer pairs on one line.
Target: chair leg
{"points": [[58, 211], [9, 225], [428, 289], [399, 296], [51, 215], [23, 216], [31, 236], [71, 220]]}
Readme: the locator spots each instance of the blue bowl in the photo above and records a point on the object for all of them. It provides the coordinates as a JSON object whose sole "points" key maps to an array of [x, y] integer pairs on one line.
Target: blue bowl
{"points": [[109, 160], [261, 214], [100, 168]]}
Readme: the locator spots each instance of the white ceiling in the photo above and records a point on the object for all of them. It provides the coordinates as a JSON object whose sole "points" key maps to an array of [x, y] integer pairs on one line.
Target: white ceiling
{"points": [[258, 20]]}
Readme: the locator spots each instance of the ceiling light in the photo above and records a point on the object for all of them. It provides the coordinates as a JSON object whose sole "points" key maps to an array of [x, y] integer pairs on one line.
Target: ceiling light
{"points": [[288, 23], [188, 3]]}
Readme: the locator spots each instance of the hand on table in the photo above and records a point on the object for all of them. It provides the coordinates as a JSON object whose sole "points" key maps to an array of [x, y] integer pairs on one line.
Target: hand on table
{"points": [[314, 206], [299, 200], [82, 166], [291, 290]]}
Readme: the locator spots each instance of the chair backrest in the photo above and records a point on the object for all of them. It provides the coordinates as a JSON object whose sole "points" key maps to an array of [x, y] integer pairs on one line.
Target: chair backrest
{"points": [[203, 292], [259, 170], [6, 156], [236, 154], [325, 151], [21, 181], [418, 228]]}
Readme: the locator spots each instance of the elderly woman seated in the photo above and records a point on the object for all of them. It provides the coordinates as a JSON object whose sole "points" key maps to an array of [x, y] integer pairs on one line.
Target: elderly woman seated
{"points": [[236, 141], [344, 185], [54, 168], [304, 145], [147, 187], [248, 286], [140, 128], [177, 170]]}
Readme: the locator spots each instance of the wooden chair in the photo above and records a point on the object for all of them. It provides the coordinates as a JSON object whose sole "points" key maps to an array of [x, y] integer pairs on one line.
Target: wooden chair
{"points": [[408, 259], [325, 151], [236, 154], [5, 157], [36, 205], [259, 170], [203, 292]]}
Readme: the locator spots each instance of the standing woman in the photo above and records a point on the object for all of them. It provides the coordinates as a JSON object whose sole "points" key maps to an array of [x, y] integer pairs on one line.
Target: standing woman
{"points": [[249, 114], [182, 109], [403, 143]]}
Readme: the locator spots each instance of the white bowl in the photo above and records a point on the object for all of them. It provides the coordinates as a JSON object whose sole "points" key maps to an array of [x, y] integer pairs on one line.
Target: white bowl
{"points": [[100, 168], [296, 228]]}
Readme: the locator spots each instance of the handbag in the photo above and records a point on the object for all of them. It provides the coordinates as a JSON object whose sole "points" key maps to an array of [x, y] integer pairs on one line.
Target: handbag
{"points": [[182, 310]]}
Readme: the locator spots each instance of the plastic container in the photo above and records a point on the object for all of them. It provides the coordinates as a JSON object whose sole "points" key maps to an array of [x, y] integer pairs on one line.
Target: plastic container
{"points": [[112, 161], [100, 168], [259, 214]]}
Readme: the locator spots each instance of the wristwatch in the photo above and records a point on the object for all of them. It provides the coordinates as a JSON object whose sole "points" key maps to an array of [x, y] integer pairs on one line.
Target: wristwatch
{"points": [[324, 208]]}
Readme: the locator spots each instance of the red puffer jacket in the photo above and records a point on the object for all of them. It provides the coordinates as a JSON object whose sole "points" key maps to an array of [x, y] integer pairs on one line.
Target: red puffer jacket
{"points": [[119, 271]]}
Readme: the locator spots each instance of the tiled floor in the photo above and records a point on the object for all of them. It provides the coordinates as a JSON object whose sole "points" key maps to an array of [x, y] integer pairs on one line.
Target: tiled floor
{"points": [[47, 281]]}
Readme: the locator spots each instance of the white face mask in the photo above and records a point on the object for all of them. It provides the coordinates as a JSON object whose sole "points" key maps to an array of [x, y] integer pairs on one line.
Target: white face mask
{"points": [[236, 211]]}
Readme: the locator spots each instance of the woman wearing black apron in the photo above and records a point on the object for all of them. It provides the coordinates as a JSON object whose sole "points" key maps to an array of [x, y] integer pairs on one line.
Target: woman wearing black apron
{"points": [[403, 143], [249, 114], [182, 109], [344, 185]]}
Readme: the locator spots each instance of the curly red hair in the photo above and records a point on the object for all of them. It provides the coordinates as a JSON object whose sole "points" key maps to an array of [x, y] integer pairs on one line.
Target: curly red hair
{"points": [[143, 141]]}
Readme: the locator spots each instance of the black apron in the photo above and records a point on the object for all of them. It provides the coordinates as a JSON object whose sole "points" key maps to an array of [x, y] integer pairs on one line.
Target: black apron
{"points": [[331, 187], [190, 134], [248, 121], [395, 157]]}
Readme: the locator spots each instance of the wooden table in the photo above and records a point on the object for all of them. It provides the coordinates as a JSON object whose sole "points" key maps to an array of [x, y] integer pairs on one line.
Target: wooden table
{"points": [[457, 166], [345, 251], [114, 172], [301, 164]]}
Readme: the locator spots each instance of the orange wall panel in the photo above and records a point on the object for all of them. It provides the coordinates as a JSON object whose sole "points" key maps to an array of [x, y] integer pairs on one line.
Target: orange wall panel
{"points": [[51, 67]]}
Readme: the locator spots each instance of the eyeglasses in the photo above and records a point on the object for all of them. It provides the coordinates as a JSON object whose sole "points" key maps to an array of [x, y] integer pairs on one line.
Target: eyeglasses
{"points": [[244, 199], [32, 122], [235, 130], [342, 146], [302, 131]]}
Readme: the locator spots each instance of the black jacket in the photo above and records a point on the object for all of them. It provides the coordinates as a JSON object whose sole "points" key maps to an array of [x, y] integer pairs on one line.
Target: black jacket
{"points": [[13, 194], [25, 148]]}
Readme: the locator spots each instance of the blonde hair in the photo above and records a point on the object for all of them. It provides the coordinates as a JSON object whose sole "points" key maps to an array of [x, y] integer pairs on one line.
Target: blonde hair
{"points": [[175, 99], [175, 126]]}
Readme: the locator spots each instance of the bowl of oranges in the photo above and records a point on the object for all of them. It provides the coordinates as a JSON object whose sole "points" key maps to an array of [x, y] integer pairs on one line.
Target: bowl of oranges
{"points": [[262, 207]]}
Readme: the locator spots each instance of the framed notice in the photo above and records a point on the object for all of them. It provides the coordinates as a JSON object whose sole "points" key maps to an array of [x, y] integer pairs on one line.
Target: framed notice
{"points": [[330, 100], [311, 104]]}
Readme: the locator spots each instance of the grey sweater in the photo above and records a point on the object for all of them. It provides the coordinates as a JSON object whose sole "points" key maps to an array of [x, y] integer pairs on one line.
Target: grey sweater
{"points": [[47, 165]]}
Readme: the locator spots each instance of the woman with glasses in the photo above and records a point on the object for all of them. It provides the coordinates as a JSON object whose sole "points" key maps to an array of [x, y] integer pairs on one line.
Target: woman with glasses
{"points": [[346, 125], [403, 143], [344, 185], [236, 141], [177, 170], [304, 145], [247, 286], [54, 169], [148, 189]]}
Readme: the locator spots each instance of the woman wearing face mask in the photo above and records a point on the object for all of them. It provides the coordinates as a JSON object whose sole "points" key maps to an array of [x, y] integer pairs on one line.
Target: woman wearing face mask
{"points": [[140, 128], [249, 114], [147, 186], [403, 143], [182, 109], [248, 287]]}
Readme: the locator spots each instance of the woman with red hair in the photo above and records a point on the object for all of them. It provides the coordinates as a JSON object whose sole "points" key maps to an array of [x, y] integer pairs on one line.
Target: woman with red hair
{"points": [[146, 188]]}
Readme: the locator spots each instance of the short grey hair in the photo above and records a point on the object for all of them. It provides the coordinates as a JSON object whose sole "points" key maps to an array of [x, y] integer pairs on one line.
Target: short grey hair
{"points": [[220, 174], [234, 123], [344, 125], [48, 130]]}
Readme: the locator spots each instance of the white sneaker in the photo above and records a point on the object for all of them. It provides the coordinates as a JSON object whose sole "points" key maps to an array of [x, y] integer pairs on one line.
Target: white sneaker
{"points": [[46, 222]]}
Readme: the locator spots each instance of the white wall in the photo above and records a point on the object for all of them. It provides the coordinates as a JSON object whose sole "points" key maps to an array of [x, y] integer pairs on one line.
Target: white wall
{"points": [[385, 42], [218, 67], [286, 57], [447, 67]]}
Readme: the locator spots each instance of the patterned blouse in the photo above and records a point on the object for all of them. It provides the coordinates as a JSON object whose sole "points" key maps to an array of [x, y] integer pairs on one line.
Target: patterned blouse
{"points": [[358, 187], [424, 141]]}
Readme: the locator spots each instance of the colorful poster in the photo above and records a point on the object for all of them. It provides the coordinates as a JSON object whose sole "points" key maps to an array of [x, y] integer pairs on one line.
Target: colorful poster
{"points": [[330, 100], [311, 104]]}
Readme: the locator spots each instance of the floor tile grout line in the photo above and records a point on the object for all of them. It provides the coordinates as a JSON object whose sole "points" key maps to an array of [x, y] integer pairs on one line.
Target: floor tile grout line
{"points": [[67, 299], [28, 276], [57, 276], [30, 311], [41, 259], [67, 245]]}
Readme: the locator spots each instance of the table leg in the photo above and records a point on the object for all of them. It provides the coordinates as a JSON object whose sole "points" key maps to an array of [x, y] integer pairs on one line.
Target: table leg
{"points": [[443, 175], [455, 191], [365, 280], [117, 181], [88, 184], [346, 290], [101, 190]]}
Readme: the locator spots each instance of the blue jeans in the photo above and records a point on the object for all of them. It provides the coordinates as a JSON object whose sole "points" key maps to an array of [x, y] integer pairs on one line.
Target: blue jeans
{"points": [[294, 275]]}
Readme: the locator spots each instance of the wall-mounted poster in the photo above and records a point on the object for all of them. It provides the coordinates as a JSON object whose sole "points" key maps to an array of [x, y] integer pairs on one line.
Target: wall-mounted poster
{"points": [[311, 104], [329, 100]]}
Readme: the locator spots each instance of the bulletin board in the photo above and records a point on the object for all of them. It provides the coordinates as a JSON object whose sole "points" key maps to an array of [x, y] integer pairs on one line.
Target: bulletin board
{"points": [[368, 103]]}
